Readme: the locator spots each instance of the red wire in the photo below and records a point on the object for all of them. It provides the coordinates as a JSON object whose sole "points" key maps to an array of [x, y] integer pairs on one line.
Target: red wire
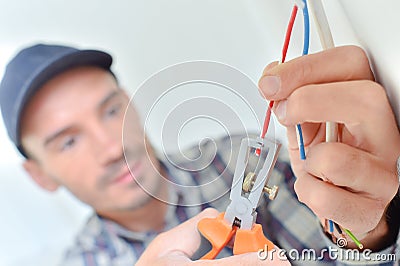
{"points": [[267, 119], [284, 52], [266, 124], [289, 33]]}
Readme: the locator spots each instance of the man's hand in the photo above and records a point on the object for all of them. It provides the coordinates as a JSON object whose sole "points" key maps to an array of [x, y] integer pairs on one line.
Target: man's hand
{"points": [[175, 247], [351, 182]]}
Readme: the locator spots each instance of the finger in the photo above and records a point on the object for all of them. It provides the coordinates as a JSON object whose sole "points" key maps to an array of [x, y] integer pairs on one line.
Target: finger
{"points": [[352, 168], [269, 67], [187, 233], [266, 69], [363, 122], [339, 64], [351, 210], [335, 102]]}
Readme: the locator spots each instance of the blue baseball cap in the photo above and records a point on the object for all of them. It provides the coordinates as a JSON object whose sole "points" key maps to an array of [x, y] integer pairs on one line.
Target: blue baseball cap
{"points": [[30, 69]]}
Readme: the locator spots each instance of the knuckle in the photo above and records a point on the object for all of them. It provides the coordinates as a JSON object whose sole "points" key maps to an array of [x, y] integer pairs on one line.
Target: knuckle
{"points": [[373, 97], [390, 190], [357, 53], [381, 204], [359, 59]]}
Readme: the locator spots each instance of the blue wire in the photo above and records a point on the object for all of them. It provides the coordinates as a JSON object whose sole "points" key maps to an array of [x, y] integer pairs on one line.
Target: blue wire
{"points": [[306, 46], [301, 143], [306, 28], [330, 226]]}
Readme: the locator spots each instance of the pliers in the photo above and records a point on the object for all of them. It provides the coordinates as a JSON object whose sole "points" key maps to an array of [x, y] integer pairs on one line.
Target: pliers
{"points": [[238, 221]]}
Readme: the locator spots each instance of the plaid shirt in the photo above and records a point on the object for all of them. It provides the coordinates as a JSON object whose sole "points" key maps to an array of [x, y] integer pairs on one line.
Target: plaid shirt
{"points": [[288, 223]]}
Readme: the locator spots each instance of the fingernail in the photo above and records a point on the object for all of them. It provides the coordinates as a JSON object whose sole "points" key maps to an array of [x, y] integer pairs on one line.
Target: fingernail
{"points": [[280, 110], [270, 85]]}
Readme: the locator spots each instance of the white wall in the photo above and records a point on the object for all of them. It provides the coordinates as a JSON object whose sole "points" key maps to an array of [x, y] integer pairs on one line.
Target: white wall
{"points": [[143, 37]]}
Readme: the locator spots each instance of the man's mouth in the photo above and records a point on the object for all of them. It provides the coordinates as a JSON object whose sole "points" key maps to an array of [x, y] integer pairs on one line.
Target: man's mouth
{"points": [[130, 174]]}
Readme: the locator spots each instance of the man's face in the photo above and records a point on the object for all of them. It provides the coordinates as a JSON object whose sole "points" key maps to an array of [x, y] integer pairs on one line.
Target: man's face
{"points": [[73, 127]]}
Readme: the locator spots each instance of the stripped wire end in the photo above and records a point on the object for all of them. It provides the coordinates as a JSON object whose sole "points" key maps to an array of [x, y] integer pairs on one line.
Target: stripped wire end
{"points": [[266, 124], [354, 238], [299, 3]]}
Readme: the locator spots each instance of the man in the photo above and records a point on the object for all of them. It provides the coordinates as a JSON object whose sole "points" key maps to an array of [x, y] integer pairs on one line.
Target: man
{"points": [[64, 111]]}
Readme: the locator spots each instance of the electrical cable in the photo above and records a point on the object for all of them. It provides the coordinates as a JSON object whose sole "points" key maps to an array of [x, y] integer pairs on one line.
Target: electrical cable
{"points": [[288, 33], [284, 52], [306, 18], [325, 36], [306, 45], [326, 39]]}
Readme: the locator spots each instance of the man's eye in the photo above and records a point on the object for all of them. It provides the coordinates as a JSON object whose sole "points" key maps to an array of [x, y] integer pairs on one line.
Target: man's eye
{"points": [[68, 143], [113, 110]]}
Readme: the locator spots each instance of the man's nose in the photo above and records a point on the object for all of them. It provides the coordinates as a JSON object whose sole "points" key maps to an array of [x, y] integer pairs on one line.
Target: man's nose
{"points": [[107, 144]]}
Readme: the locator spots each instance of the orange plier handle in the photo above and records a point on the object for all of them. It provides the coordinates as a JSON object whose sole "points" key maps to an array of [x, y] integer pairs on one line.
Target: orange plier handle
{"points": [[218, 233]]}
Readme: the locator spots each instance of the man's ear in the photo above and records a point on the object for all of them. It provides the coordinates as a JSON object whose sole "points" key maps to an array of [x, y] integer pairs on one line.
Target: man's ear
{"points": [[39, 176]]}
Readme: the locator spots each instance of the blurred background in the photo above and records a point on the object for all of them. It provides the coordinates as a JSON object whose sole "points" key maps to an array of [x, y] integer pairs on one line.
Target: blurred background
{"points": [[145, 37]]}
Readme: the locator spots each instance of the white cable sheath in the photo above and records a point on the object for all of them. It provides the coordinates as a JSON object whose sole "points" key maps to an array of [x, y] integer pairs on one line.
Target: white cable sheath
{"points": [[324, 32]]}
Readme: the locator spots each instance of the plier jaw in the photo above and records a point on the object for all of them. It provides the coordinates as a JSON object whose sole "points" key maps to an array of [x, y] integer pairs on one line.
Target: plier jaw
{"points": [[247, 188], [238, 221]]}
